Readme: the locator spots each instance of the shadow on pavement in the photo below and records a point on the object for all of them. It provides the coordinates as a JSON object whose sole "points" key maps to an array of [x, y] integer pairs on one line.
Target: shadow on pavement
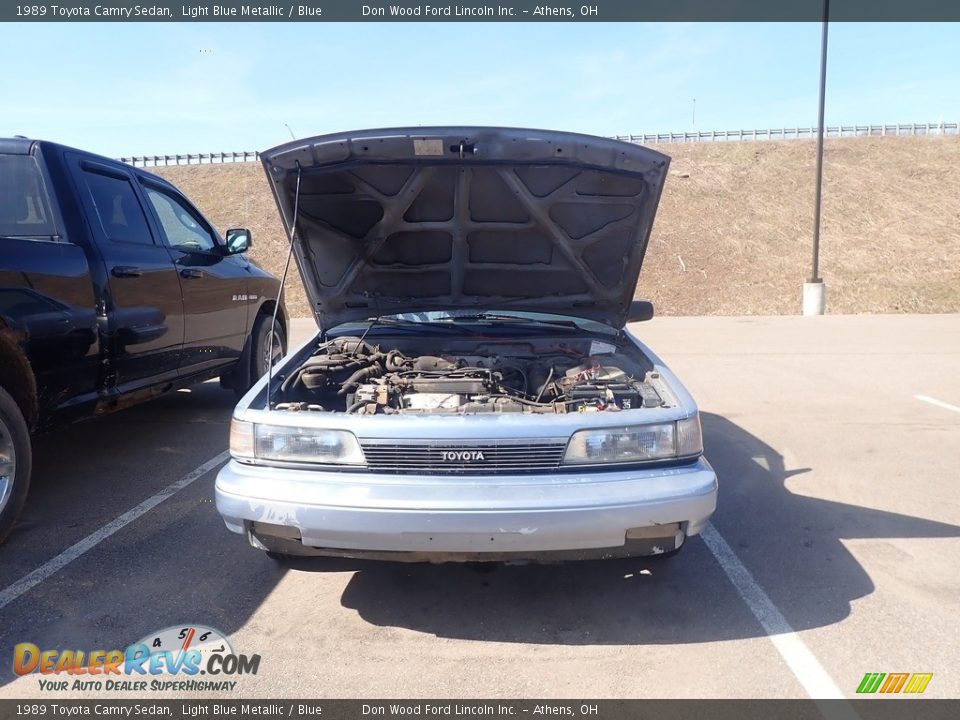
{"points": [[791, 543]]}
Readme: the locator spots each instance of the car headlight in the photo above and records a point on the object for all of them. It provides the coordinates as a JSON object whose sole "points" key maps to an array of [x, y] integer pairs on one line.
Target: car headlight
{"points": [[635, 443], [253, 441]]}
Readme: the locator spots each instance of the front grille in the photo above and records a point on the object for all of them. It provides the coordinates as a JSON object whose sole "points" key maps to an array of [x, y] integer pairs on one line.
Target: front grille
{"points": [[461, 458]]}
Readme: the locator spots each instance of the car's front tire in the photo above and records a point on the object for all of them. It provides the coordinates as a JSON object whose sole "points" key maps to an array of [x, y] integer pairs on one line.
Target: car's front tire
{"points": [[15, 463]]}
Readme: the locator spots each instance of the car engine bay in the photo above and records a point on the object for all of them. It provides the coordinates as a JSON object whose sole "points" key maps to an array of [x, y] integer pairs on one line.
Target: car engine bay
{"points": [[348, 374]]}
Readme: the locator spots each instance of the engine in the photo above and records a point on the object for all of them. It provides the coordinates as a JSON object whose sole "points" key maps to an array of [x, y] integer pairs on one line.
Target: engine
{"points": [[352, 376]]}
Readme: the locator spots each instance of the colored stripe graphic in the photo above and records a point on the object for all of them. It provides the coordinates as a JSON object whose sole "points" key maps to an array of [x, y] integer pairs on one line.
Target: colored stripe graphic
{"points": [[894, 683], [870, 682], [918, 683]]}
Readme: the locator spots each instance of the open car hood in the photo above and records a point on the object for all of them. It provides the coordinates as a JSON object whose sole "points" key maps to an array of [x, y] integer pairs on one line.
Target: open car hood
{"points": [[417, 219]]}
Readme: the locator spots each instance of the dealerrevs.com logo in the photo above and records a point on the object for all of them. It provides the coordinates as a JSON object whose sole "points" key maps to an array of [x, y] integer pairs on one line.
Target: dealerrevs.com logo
{"points": [[172, 659]]}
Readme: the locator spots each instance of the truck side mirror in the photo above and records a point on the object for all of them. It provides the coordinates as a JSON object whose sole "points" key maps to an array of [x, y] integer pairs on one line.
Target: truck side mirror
{"points": [[640, 310], [239, 240]]}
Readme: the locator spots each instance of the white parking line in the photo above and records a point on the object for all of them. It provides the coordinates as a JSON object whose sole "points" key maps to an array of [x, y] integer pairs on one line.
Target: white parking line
{"points": [[805, 666], [31, 580], [938, 403]]}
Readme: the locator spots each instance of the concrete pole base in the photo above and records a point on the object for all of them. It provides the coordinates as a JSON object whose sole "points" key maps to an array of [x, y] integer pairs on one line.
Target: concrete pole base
{"points": [[814, 298]]}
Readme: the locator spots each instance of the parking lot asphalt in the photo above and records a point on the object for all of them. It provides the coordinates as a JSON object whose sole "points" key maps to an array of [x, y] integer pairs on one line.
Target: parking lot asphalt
{"points": [[835, 550]]}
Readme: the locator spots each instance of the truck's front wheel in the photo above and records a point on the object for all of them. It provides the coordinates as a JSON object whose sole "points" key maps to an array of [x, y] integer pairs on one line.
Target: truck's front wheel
{"points": [[14, 462], [267, 340], [263, 342]]}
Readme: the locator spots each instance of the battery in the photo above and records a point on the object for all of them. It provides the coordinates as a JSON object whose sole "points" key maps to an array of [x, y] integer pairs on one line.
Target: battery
{"points": [[625, 396]]}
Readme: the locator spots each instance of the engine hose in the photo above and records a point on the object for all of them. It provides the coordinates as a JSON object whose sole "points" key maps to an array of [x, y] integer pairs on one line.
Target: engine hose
{"points": [[521, 372], [357, 405], [545, 384], [291, 380], [316, 375], [354, 346], [354, 380], [395, 360], [522, 401]]}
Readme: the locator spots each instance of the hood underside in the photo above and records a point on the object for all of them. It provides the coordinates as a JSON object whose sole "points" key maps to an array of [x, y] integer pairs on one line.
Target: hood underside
{"points": [[418, 219]]}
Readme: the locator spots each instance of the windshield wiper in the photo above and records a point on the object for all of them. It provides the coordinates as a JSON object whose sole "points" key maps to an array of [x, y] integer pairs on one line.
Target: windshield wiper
{"points": [[495, 317], [400, 323]]}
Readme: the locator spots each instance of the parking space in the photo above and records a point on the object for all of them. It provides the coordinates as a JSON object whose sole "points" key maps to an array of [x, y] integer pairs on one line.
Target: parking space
{"points": [[835, 550]]}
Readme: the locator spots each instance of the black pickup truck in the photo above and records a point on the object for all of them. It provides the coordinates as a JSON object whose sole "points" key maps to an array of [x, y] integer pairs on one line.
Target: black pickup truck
{"points": [[113, 289]]}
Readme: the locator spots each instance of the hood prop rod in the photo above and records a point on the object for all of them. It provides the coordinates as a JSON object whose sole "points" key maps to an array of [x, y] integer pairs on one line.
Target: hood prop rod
{"points": [[283, 280]]}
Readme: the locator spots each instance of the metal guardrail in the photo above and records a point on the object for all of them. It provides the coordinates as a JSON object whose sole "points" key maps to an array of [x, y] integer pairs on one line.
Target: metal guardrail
{"points": [[194, 159], [784, 133], [796, 133]]}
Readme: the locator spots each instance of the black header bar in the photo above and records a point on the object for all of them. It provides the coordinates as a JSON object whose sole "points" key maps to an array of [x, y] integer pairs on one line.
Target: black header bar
{"points": [[467, 11], [873, 709]]}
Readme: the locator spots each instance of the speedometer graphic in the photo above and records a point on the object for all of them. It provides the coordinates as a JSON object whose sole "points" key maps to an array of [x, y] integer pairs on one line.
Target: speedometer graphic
{"points": [[178, 639]]}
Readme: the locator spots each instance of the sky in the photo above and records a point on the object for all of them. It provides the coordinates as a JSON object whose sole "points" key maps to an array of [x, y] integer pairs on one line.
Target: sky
{"points": [[124, 89]]}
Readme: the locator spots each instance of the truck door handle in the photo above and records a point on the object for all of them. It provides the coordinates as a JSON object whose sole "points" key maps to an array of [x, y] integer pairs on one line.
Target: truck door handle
{"points": [[126, 271], [191, 273]]}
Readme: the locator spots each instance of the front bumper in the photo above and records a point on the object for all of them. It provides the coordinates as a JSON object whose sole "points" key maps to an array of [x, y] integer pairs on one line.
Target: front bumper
{"points": [[433, 517]]}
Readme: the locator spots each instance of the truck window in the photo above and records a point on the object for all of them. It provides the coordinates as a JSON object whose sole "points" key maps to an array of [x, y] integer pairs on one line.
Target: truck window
{"points": [[24, 203], [117, 206], [181, 228]]}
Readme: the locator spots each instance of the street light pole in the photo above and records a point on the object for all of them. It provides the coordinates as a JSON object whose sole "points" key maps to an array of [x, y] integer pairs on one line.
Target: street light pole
{"points": [[814, 290]]}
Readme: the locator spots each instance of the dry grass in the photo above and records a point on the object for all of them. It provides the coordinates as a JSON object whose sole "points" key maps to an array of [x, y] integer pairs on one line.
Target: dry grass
{"points": [[733, 235]]}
